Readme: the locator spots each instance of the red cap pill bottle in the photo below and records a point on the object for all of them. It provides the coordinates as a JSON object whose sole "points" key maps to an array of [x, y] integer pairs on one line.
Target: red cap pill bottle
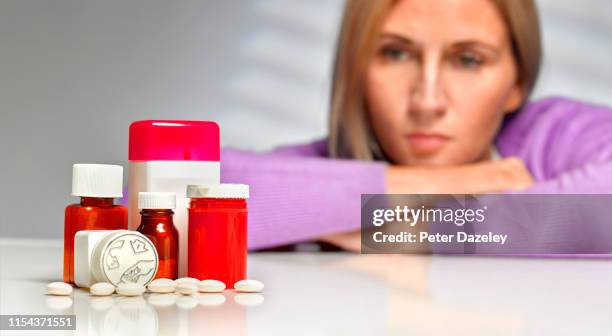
{"points": [[169, 155], [97, 185], [218, 232]]}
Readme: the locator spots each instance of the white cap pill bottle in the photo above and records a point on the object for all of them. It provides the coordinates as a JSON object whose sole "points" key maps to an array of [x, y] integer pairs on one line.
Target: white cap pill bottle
{"points": [[97, 185], [218, 216]]}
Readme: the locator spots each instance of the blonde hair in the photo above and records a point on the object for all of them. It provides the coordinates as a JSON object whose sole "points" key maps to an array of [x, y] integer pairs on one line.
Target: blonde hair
{"points": [[350, 135]]}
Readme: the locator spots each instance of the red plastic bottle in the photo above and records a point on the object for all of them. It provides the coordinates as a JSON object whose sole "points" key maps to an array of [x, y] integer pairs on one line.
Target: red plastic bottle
{"points": [[218, 232], [97, 185], [156, 223]]}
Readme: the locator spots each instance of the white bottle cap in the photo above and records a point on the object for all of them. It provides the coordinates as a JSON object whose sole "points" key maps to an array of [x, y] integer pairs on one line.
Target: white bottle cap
{"points": [[226, 190], [97, 180], [156, 200]]}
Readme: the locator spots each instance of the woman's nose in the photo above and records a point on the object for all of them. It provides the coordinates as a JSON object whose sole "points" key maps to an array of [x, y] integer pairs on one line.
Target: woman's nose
{"points": [[428, 100]]}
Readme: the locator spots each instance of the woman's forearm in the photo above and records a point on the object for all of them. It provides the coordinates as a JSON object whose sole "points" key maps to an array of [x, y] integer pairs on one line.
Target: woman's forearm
{"points": [[296, 198]]}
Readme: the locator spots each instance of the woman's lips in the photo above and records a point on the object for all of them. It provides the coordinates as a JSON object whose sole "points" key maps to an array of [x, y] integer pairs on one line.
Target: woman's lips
{"points": [[426, 143]]}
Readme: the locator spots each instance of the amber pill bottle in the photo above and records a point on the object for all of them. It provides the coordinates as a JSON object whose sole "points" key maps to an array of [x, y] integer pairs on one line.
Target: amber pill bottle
{"points": [[97, 185], [157, 224]]}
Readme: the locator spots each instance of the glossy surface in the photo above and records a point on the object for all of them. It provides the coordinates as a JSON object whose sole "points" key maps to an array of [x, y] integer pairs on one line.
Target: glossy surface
{"points": [[336, 294], [218, 239], [159, 227], [90, 214]]}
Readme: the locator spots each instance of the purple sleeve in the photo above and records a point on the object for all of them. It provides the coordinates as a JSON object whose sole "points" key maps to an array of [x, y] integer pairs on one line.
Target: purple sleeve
{"points": [[567, 146], [297, 194]]}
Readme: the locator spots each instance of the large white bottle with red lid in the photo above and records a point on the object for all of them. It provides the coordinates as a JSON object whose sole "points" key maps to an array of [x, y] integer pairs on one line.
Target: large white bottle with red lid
{"points": [[169, 155]]}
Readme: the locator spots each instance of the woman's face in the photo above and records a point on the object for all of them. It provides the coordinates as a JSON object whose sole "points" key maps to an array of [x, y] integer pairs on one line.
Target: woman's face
{"points": [[441, 80]]}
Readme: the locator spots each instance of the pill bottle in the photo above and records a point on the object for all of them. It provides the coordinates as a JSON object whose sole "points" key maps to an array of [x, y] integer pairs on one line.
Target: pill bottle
{"points": [[168, 155], [113, 256], [97, 185], [218, 232], [157, 225]]}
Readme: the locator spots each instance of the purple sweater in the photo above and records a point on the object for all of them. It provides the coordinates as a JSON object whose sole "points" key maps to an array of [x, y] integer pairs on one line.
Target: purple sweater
{"points": [[298, 193]]}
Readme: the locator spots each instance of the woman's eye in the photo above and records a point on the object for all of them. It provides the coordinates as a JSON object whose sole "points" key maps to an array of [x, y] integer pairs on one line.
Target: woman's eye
{"points": [[395, 54], [469, 61]]}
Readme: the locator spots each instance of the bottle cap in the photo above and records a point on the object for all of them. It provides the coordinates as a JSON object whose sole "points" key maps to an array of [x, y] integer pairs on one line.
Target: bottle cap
{"points": [[156, 200], [123, 256], [226, 190], [174, 140], [97, 180]]}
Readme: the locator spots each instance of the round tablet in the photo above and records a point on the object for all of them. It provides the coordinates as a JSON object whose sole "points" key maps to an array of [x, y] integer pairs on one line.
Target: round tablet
{"points": [[211, 286], [186, 280], [249, 286], [59, 288], [101, 289], [162, 285], [130, 289], [186, 288]]}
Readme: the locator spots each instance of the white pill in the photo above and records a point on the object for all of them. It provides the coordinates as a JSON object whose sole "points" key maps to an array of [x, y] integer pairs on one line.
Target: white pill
{"points": [[249, 286], [186, 280], [211, 286], [59, 288], [130, 289], [162, 285], [102, 289], [186, 288]]}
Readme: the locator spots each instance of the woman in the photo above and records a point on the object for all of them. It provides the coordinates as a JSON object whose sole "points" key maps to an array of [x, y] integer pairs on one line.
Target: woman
{"points": [[426, 95]]}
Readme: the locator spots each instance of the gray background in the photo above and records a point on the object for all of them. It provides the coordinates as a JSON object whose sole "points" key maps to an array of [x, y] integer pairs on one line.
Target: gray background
{"points": [[75, 73]]}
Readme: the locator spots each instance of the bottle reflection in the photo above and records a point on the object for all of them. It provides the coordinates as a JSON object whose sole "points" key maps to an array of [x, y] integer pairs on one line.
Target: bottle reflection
{"points": [[114, 315], [218, 314], [165, 305], [159, 314]]}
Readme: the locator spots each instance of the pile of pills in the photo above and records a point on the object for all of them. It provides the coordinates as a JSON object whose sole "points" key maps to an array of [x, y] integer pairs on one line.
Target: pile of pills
{"points": [[183, 286]]}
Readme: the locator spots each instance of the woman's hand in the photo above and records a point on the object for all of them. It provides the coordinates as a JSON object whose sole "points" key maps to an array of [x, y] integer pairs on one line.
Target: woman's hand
{"points": [[480, 178], [508, 174]]}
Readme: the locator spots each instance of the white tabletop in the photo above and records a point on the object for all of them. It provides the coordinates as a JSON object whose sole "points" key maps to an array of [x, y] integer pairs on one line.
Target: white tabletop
{"points": [[335, 294]]}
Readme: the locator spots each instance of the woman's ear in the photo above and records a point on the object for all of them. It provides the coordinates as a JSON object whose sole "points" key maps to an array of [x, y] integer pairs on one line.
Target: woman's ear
{"points": [[515, 98]]}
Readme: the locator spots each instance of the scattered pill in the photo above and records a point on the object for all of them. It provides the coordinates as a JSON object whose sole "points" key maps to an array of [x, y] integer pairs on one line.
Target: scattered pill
{"points": [[211, 286], [162, 285], [186, 280], [249, 299], [186, 288], [59, 288], [249, 286], [130, 289], [102, 289], [211, 299]]}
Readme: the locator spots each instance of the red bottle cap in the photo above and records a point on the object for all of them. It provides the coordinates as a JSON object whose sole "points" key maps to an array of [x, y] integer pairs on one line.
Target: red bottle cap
{"points": [[174, 140]]}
